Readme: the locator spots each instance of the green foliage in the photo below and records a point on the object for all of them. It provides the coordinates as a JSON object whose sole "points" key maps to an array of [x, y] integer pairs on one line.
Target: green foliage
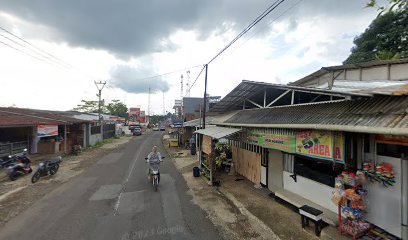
{"points": [[117, 108], [221, 150], [156, 119], [394, 5], [100, 144], [88, 106], [386, 38]]}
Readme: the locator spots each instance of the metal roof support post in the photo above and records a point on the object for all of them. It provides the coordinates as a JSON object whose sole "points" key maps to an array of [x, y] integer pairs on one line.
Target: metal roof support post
{"points": [[243, 105], [264, 105], [256, 104], [276, 99], [293, 98], [205, 95]]}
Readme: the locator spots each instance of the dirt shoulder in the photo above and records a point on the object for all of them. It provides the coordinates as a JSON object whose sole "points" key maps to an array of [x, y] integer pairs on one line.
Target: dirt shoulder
{"points": [[16, 196], [234, 222], [241, 210]]}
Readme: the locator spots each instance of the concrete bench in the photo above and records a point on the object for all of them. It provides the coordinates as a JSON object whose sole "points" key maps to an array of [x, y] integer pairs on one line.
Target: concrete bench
{"points": [[309, 213]]}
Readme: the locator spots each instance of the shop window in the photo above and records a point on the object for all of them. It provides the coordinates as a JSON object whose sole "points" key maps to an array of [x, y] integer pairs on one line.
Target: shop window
{"points": [[321, 171], [391, 150]]}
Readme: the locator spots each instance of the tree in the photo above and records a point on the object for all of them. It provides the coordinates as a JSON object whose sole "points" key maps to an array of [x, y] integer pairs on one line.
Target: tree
{"points": [[117, 108], [385, 38], [393, 5], [88, 107]]}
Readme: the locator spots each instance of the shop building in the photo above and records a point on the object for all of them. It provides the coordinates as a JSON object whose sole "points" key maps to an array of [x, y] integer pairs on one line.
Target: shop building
{"points": [[39, 131], [294, 140]]}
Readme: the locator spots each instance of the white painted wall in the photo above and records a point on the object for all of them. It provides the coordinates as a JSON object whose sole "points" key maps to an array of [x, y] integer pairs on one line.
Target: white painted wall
{"points": [[95, 138], [374, 73], [384, 203], [263, 175], [353, 74], [399, 71], [316, 192], [275, 169]]}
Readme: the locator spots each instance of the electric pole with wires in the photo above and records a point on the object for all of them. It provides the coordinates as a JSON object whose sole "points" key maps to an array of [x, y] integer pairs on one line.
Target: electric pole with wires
{"points": [[99, 85]]}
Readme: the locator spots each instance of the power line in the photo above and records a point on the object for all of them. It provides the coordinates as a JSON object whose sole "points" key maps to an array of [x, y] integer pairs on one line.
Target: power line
{"points": [[21, 51], [42, 53], [249, 27], [273, 20], [168, 73], [35, 47], [196, 78], [50, 60]]}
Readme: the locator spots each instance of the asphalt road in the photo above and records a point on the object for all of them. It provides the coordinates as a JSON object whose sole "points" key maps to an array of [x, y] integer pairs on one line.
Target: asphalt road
{"points": [[114, 200]]}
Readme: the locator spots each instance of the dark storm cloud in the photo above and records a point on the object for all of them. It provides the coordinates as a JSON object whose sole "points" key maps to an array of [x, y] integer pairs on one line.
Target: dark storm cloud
{"points": [[133, 27], [133, 80]]}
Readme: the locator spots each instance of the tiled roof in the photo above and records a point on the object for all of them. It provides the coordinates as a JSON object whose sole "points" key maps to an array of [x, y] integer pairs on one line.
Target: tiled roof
{"points": [[31, 117]]}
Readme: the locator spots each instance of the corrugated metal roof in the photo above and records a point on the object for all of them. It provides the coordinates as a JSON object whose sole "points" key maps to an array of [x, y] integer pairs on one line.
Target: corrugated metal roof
{"points": [[377, 87], [385, 112], [246, 89], [218, 132], [210, 119]]}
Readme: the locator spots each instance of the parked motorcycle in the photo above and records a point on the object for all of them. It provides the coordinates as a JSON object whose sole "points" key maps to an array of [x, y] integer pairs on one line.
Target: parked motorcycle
{"points": [[7, 161], [154, 170], [20, 166], [46, 167]]}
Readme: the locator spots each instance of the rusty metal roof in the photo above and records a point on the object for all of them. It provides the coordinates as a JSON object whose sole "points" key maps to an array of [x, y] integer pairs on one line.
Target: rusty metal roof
{"points": [[33, 117], [373, 115]]}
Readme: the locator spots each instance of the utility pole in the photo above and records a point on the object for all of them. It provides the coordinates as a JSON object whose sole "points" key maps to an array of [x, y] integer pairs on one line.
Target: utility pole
{"points": [[181, 84], [188, 84], [99, 85], [205, 95]]}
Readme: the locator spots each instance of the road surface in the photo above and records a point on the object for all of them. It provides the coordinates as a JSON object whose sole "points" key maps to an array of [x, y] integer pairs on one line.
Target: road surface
{"points": [[114, 200]]}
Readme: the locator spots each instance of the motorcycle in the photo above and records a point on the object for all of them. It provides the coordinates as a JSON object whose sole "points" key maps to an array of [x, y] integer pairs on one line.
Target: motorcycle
{"points": [[154, 173], [7, 161], [20, 166], [46, 167]]}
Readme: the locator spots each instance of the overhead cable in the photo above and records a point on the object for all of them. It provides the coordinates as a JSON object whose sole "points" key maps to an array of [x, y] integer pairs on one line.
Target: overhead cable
{"points": [[249, 27]]}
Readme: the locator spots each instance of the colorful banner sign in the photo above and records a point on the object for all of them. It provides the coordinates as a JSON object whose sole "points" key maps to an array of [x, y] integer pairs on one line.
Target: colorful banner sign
{"points": [[142, 117], [134, 115], [320, 144], [47, 130], [207, 144], [283, 142]]}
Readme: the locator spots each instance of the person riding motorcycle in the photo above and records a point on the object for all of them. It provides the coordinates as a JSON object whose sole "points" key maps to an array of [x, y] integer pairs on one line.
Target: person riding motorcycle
{"points": [[154, 158]]}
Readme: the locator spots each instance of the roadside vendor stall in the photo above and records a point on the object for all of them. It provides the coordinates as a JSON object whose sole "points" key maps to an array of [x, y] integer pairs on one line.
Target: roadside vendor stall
{"points": [[210, 137]]}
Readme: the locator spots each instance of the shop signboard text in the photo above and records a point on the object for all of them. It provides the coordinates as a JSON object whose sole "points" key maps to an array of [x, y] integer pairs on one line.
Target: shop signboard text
{"points": [[320, 144]]}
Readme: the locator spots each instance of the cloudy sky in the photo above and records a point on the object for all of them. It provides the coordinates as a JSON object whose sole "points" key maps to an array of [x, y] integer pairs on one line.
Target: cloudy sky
{"points": [[128, 42]]}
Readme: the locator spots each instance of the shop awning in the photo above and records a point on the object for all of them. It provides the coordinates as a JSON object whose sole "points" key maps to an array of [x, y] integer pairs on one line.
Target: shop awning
{"points": [[218, 132]]}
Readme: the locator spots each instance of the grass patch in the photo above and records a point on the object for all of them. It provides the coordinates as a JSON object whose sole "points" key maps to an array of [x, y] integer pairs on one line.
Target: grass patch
{"points": [[100, 144]]}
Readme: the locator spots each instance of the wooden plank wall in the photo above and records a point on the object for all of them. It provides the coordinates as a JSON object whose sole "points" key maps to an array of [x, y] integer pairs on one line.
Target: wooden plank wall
{"points": [[247, 164]]}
